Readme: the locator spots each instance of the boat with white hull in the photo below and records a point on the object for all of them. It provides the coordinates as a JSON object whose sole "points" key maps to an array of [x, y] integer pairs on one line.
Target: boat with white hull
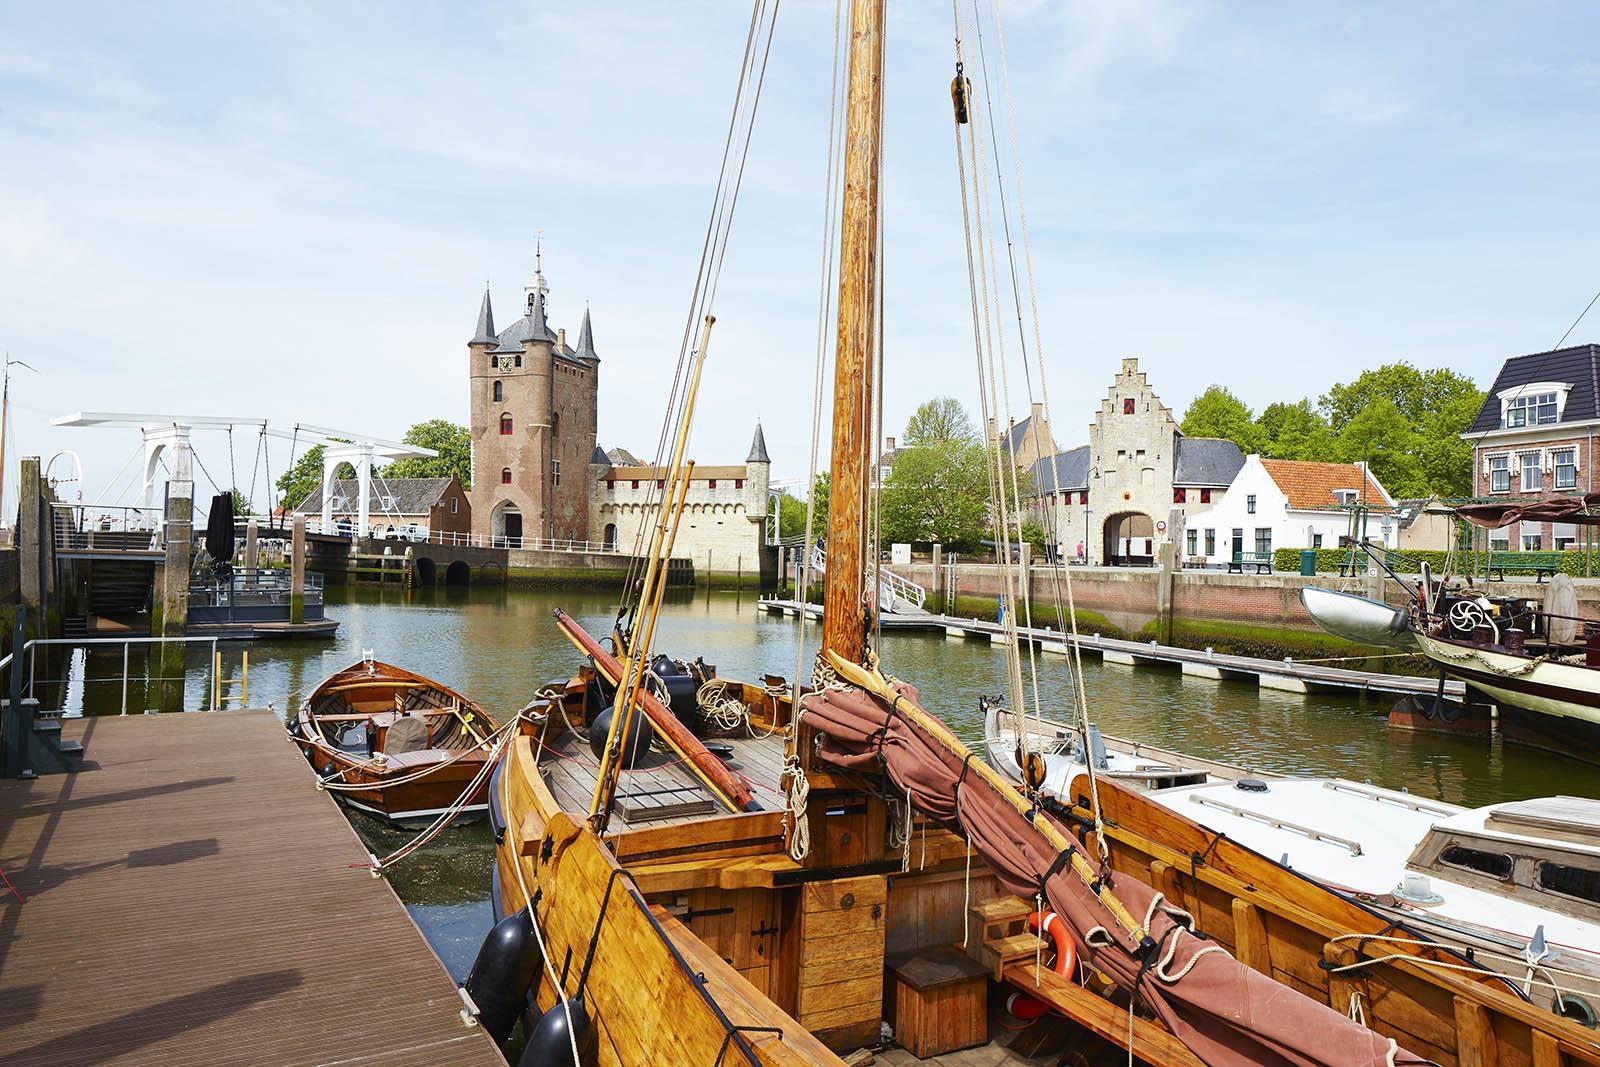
{"points": [[1517, 885]]}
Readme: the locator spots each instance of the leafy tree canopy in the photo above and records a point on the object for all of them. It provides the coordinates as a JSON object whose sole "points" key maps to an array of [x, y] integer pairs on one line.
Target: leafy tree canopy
{"points": [[452, 441], [937, 492], [940, 420], [1218, 413], [1406, 422]]}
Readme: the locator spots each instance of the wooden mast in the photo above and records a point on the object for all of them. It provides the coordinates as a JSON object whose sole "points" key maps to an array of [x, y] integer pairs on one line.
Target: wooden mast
{"points": [[845, 611]]}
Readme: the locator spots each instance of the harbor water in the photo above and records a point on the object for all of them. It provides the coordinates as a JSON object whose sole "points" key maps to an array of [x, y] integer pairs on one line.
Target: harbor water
{"points": [[500, 645]]}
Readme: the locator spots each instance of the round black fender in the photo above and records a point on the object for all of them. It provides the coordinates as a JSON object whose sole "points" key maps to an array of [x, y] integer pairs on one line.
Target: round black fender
{"points": [[503, 972], [639, 738], [549, 1044], [497, 819]]}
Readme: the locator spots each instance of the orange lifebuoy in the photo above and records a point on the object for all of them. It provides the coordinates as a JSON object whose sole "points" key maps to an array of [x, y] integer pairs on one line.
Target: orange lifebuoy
{"points": [[1022, 1006]]}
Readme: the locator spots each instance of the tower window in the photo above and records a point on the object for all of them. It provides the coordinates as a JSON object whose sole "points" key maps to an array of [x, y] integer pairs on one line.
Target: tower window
{"points": [[518, 361], [1127, 405], [1180, 496], [636, 483], [499, 393], [453, 502], [555, 424], [738, 483], [711, 483], [505, 425], [1205, 496], [505, 475], [555, 472]]}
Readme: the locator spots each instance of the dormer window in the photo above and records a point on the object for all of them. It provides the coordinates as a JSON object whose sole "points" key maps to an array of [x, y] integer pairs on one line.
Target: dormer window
{"points": [[1346, 497], [1535, 410], [1533, 404]]}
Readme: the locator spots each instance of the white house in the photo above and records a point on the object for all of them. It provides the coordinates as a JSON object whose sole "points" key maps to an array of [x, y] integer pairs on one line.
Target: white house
{"points": [[1282, 503]]}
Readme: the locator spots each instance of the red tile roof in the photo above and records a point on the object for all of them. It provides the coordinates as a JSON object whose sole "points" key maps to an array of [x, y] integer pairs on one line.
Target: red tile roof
{"points": [[1311, 485]]}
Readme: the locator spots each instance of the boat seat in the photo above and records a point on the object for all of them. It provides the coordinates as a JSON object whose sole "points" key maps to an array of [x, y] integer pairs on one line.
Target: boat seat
{"points": [[420, 757], [408, 733]]}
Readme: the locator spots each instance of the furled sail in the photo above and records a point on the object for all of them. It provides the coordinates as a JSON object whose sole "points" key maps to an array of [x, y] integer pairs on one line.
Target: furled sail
{"points": [[1225, 1012]]}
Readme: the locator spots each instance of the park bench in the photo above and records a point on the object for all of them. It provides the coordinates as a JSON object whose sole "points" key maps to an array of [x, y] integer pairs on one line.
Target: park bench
{"points": [[1261, 561], [1540, 564]]}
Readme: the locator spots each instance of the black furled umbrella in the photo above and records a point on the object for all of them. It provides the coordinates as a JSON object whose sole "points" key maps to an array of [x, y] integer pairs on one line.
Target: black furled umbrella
{"points": [[219, 529]]}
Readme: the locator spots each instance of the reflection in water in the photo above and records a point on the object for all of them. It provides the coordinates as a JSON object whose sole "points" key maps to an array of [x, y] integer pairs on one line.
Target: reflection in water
{"points": [[498, 646]]}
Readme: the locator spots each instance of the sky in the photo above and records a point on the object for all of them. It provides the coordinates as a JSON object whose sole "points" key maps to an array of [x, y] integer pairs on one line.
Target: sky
{"points": [[289, 211]]}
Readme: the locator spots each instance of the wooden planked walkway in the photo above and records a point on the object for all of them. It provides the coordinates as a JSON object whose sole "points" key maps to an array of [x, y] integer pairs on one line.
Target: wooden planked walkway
{"points": [[191, 899]]}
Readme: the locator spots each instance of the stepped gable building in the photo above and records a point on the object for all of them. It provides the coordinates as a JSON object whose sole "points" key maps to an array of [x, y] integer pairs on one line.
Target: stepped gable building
{"points": [[534, 405], [1535, 436], [1114, 500]]}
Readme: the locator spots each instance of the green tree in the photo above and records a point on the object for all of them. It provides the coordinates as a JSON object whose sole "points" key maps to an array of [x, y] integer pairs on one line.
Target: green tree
{"points": [[1218, 413], [819, 495], [297, 483], [941, 419], [1380, 434], [1435, 406], [452, 441], [937, 492], [1416, 394], [1293, 431], [791, 516]]}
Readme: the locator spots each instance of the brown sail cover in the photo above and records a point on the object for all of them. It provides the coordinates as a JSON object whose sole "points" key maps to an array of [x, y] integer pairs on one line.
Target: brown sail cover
{"points": [[1223, 1011], [1580, 510]]}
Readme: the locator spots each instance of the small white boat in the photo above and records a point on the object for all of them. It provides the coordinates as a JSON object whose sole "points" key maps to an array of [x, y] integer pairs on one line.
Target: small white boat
{"points": [[1356, 618], [1517, 884]]}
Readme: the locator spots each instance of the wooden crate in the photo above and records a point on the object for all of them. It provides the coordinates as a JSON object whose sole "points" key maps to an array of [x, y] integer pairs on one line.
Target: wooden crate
{"points": [[940, 1000]]}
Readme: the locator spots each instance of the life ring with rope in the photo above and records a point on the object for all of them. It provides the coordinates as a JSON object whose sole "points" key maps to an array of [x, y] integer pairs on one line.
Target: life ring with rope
{"points": [[1020, 1005]]}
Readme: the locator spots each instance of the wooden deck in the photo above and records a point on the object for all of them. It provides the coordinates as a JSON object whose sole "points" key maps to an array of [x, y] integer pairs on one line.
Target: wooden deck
{"points": [[661, 791], [192, 899]]}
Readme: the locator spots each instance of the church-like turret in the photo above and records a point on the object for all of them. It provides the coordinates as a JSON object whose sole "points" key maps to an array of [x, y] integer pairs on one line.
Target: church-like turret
{"points": [[485, 334], [585, 350], [758, 467]]}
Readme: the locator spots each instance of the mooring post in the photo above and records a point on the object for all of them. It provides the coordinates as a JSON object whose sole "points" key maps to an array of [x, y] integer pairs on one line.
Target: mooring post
{"points": [[19, 715], [938, 578], [1164, 581], [297, 572], [179, 535], [251, 549]]}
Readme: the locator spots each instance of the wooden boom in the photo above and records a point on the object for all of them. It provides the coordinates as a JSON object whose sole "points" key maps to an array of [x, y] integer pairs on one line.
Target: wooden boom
{"points": [[729, 788]]}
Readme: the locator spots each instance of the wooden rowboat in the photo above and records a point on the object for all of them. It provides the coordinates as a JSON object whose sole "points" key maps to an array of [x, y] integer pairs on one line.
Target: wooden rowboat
{"points": [[415, 743]]}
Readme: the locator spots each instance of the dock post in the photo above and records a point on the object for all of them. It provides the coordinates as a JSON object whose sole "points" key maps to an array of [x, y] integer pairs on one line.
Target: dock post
{"points": [[31, 538], [251, 549], [297, 572], [1025, 586], [1164, 580], [938, 579], [178, 537], [18, 719]]}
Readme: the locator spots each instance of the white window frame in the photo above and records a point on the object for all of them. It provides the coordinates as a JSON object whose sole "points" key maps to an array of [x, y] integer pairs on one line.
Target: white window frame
{"points": [[1490, 470], [1556, 454], [1536, 467], [1532, 397]]}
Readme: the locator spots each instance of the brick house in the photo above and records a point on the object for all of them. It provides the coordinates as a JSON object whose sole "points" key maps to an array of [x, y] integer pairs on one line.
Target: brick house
{"points": [[1534, 437], [398, 506]]}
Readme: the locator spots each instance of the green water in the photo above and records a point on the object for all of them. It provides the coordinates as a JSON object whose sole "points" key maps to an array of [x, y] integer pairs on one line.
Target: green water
{"points": [[498, 646]]}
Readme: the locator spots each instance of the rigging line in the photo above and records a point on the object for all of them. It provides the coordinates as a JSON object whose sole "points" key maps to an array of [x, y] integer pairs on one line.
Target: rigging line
{"points": [[825, 293], [711, 246], [233, 472], [1005, 218], [1579, 319], [875, 480], [1000, 394]]}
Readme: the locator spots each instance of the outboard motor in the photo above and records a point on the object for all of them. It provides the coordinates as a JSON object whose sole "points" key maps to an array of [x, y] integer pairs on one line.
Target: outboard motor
{"points": [[549, 1043], [1097, 748], [503, 973]]}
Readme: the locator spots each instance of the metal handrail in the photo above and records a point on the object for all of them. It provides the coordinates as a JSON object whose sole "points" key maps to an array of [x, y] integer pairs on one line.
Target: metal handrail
{"points": [[32, 646], [892, 588]]}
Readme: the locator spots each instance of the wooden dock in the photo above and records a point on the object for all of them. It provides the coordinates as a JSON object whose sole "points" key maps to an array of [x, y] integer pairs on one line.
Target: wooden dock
{"points": [[1287, 675], [192, 899]]}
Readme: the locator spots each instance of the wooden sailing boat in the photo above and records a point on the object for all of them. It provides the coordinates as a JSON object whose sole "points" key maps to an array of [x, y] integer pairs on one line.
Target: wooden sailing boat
{"points": [[766, 929], [396, 745]]}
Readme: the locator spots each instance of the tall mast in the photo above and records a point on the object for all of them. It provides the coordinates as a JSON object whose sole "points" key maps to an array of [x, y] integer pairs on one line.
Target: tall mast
{"points": [[845, 611]]}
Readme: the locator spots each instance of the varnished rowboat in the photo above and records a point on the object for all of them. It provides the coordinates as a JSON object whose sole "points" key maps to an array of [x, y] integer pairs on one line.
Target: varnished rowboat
{"points": [[415, 743]]}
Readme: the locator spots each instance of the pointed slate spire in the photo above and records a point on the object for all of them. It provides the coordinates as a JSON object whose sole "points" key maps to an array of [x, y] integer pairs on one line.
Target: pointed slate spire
{"points": [[758, 448], [598, 457], [539, 329], [586, 340], [485, 334]]}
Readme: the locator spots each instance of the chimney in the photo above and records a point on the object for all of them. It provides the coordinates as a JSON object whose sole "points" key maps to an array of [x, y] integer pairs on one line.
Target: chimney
{"points": [[888, 444], [561, 337], [1037, 412]]}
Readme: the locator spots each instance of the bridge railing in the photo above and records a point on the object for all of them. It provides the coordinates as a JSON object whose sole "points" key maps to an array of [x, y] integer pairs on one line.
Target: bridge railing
{"points": [[106, 528], [895, 594], [543, 544], [252, 588]]}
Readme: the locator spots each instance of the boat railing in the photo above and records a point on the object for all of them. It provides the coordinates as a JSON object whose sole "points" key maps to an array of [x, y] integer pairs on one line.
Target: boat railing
{"points": [[253, 587], [78, 678]]}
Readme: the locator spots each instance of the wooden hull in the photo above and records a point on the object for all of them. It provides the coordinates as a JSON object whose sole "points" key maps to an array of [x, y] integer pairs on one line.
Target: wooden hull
{"points": [[1292, 928], [407, 790]]}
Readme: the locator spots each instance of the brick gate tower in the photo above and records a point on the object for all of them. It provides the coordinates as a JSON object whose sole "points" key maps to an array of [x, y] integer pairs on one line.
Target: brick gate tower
{"points": [[534, 402]]}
